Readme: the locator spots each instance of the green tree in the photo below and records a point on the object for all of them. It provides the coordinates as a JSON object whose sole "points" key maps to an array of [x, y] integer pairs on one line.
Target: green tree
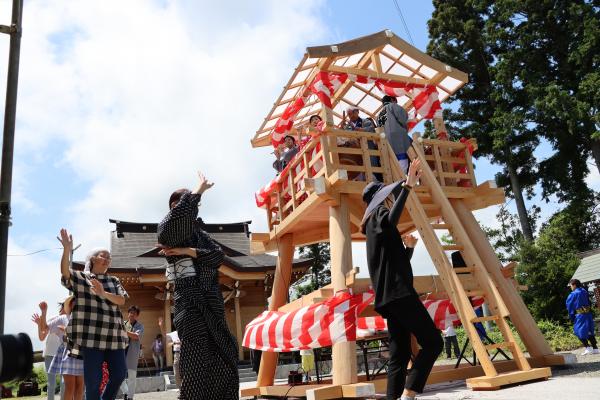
{"points": [[547, 264], [558, 44], [493, 105], [319, 273]]}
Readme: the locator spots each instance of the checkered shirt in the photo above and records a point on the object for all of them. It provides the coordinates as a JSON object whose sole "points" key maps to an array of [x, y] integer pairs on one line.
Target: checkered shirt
{"points": [[95, 322]]}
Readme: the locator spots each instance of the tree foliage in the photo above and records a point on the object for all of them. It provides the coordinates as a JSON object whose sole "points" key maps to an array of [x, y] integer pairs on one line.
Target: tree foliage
{"points": [[319, 273], [547, 264]]}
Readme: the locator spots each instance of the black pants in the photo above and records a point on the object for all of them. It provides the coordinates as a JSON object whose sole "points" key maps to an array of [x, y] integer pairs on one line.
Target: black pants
{"points": [[591, 341], [451, 341], [408, 316]]}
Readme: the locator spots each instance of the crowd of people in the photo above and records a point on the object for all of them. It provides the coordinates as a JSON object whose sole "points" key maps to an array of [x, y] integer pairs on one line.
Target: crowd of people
{"points": [[89, 333], [96, 351], [392, 118]]}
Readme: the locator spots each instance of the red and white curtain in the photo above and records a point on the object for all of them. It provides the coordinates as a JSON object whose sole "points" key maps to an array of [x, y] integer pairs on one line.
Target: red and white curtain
{"points": [[334, 320], [424, 98]]}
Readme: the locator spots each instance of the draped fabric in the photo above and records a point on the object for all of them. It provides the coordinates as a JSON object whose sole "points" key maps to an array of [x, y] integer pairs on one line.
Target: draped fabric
{"points": [[334, 320], [263, 194], [425, 100]]}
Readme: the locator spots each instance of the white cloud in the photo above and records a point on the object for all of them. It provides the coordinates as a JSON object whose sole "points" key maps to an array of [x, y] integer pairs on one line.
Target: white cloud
{"points": [[140, 95]]}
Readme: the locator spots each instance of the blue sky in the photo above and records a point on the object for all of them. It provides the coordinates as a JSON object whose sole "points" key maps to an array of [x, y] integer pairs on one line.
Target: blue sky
{"points": [[110, 121]]}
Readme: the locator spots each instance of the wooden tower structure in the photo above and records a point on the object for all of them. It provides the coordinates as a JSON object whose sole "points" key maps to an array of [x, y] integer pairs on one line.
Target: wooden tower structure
{"points": [[318, 198]]}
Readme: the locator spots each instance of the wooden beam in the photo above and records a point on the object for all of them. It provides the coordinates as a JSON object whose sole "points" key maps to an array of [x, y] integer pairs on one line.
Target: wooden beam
{"points": [[167, 326], [343, 354], [377, 75], [528, 330], [238, 325], [279, 294], [507, 378]]}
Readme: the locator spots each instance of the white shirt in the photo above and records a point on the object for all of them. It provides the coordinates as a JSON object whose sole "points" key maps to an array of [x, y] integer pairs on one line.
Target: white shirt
{"points": [[175, 339], [54, 338], [449, 331]]}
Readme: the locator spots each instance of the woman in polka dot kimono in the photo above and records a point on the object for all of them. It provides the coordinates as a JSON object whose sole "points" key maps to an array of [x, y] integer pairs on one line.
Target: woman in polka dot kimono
{"points": [[208, 349]]}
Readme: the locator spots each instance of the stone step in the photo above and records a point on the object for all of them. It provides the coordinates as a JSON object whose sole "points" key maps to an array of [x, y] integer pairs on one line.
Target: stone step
{"points": [[247, 375], [247, 379]]}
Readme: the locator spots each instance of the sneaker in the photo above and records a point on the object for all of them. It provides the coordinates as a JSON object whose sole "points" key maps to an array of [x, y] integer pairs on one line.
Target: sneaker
{"points": [[588, 350], [595, 351]]}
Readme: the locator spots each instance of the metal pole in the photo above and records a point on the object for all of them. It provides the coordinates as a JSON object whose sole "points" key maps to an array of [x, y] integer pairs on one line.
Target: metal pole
{"points": [[10, 113]]}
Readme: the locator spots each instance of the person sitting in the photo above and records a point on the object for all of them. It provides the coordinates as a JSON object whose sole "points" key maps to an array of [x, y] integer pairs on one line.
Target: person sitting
{"points": [[285, 153], [394, 120]]}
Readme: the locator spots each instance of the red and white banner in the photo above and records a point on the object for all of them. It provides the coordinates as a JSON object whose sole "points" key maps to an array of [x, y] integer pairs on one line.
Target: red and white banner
{"points": [[310, 327], [334, 320], [424, 98], [263, 194]]}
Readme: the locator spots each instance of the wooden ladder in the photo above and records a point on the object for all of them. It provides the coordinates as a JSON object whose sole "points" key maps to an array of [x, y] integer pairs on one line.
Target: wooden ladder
{"points": [[474, 266]]}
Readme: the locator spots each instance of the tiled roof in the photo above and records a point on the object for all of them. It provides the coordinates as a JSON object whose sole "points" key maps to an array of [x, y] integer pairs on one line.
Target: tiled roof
{"points": [[589, 269], [130, 240]]}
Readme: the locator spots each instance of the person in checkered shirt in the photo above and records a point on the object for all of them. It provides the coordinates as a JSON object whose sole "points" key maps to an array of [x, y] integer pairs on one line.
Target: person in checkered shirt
{"points": [[96, 330]]}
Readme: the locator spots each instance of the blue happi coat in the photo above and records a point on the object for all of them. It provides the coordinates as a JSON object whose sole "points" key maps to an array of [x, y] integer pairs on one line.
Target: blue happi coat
{"points": [[583, 322]]}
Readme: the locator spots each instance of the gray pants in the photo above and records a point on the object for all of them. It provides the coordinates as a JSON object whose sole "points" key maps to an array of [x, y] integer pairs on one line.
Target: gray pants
{"points": [[176, 369], [128, 385], [52, 380]]}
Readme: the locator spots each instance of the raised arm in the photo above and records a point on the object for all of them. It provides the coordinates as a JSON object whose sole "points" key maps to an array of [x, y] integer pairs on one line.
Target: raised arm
{"points": [[65, 262], [414, 173], [178, 225], [40, 320]]}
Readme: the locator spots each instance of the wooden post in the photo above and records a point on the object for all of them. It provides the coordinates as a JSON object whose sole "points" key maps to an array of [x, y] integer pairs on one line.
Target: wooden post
{"points": [[238, 326], [519, 314], [168, 328], [279, 297], [343, 354]]}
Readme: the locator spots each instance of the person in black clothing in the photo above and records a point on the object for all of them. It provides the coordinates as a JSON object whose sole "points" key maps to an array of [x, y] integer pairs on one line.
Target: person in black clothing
{"points": [[395, 297]]}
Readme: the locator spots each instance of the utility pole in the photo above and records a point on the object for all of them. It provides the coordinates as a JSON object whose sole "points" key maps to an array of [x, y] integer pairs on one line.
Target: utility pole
{"points": [[8, 142]]}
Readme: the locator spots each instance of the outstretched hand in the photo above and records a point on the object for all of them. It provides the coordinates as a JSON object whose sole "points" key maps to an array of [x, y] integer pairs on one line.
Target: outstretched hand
{"points": [[203, 184], [410, 241], [36, 318], [97, 287], [66, 240], [43, 307], [414, 172]]}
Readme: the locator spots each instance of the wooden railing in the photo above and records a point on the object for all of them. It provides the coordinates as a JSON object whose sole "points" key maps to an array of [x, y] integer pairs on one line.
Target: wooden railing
{"points": [[451, 162], [359, 155]]}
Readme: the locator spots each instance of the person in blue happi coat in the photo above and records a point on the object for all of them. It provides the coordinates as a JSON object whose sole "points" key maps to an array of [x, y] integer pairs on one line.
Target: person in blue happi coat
{"points": [[580, 313]]}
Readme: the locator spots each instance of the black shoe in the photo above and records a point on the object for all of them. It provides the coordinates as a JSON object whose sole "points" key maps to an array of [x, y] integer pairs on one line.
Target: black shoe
{"points": [[125, 397]]}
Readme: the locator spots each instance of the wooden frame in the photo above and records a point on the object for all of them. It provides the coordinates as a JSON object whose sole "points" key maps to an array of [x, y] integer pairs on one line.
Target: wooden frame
{"points": [[319, 199]]}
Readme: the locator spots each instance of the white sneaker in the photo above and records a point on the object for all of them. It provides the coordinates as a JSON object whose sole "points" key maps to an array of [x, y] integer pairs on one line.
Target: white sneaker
{"points": [[588, 350], [595, 351]]}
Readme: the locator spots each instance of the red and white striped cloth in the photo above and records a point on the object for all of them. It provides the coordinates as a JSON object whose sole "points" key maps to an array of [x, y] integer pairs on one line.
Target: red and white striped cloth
{"points": [[425, 99], [262, 195], [317, 325], [440, 311], [334, 320]]}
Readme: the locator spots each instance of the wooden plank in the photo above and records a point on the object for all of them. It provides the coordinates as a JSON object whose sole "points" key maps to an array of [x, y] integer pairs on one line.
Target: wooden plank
{"points": [[486, 318], [438, 165], [528, 330], [290, 391], [501, 345], [440, 226], [377, 75], [446, 373], [343, 354], [452, 247], [250, 392], [508, 378], [283, 275], [358, 390], [324, 393]]}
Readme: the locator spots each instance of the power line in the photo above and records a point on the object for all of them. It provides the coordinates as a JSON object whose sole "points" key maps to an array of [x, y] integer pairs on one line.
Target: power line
{"points": [[404, 22], [34, 252]]}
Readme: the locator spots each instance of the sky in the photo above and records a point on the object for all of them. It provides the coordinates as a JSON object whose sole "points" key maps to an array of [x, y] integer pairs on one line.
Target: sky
{"points": [[120, 103]]}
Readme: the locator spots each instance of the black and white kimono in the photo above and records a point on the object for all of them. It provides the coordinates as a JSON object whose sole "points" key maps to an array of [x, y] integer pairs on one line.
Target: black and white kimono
{"points": [[209, 352]]}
